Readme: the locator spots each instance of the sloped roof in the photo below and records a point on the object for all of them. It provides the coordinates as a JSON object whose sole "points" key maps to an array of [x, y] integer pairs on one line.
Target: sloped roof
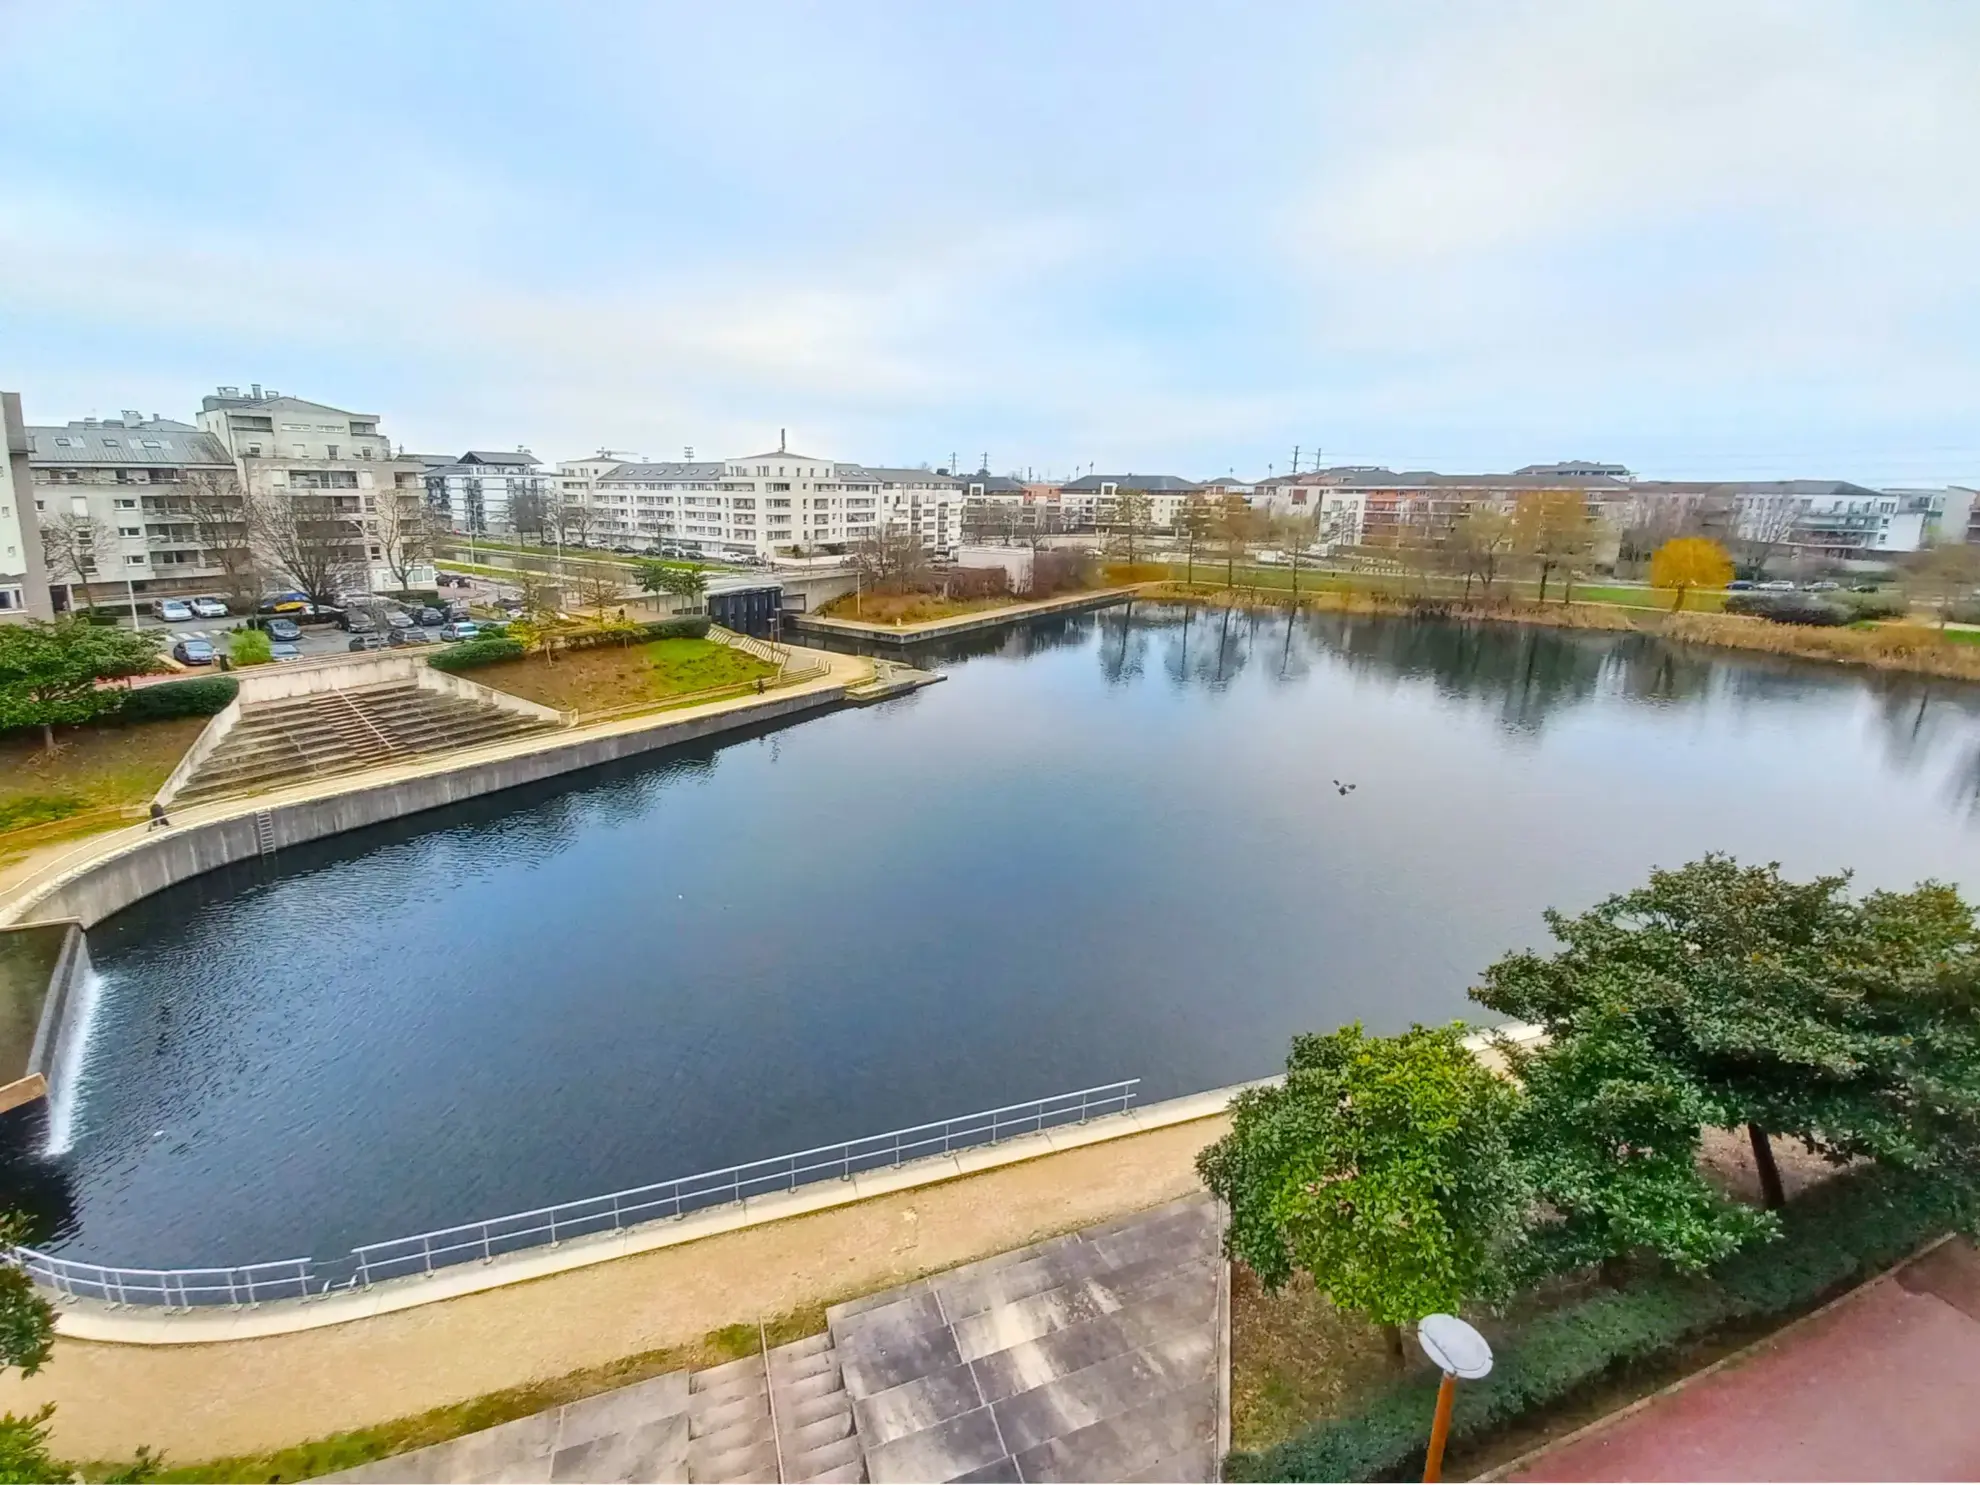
{"points": [[699, 470], [1152, 483], [911, 476], [487, 456], [156, 442]]}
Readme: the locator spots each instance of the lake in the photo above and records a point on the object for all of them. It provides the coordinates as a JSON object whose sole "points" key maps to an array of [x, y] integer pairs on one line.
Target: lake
{"points": [[1111, 845]]}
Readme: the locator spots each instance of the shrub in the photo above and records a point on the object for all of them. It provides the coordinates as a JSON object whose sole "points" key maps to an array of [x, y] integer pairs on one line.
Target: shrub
{"points": [[480, 651], [200, 697], [1788, 608], [1136, 572], [1063, 571], [1872, 605], [1853, 1226], [416, 596], [250, 647]]}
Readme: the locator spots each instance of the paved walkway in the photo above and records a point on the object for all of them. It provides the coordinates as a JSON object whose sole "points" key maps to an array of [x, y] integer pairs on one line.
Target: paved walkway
{"points": [[204, 1401], [1878, 1387], [1095, 1356]]}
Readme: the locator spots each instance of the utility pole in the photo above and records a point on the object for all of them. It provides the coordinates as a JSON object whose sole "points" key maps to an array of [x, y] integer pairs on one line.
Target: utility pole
{"points": [[1295, 462]]}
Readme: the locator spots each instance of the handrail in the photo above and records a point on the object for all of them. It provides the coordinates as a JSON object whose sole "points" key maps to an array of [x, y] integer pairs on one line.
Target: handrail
{"points": [[424, 1252]]}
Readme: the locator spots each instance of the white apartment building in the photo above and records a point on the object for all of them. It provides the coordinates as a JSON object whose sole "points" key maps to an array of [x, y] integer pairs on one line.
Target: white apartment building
{"points": [[289, 448], [126, 476], [929, 503], [23, 580], [578, 509], [756, 506], [482, 491]]}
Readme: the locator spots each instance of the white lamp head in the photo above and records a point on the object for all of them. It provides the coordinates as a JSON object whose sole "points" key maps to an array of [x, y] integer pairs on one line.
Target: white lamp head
{"points": [[1454, 1346]]}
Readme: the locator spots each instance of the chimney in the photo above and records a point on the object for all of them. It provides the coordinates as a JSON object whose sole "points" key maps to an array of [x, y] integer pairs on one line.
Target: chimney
{"points": [[257, 390], [780, 440]]}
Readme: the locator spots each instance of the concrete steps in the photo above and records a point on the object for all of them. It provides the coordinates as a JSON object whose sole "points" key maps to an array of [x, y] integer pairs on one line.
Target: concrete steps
{"points": [[815, 1430], [729, 1431], [330, 732]]}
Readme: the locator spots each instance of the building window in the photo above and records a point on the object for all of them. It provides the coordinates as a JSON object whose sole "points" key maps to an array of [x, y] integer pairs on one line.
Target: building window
{"points": [[135, 561]]}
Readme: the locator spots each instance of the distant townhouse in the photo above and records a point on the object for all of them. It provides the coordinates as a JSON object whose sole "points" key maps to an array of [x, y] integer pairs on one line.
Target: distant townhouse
{"points": [[485, 490], [1089, 500], [23, 579], [120, 489], [1368, 505]]}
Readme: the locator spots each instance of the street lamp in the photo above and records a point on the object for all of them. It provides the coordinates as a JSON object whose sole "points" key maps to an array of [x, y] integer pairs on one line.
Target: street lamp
{"points": [[1459, 1351]]}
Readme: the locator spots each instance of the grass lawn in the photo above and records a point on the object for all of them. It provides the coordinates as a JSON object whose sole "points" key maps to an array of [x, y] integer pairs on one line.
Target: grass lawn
{"points": [[94, 774], [1960, 636], [907, 608], [599, 679]]}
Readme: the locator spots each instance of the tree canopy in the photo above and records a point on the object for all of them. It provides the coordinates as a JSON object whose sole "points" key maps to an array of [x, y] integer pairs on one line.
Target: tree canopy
{"points": [[1687, 562], [49, 670], [1851, 1025], [1382, 1166]]}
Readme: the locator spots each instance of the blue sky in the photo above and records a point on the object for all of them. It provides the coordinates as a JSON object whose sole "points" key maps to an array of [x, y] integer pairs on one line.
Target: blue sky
{"points": [[1706, 239]]}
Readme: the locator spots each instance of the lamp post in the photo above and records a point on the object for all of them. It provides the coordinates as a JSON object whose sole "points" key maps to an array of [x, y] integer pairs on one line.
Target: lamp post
{"points": [[1459, 1351]]}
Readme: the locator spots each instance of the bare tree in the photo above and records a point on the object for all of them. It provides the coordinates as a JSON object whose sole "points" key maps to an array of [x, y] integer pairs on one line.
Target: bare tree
{"points": [[529, 510], [1764, 524], [405, 534], [577, 522], [1552, 530], [1944, 577], [1196, 519], [222, 518], [1130, 519], [891, 558], [1234, 525], [316, 539], [599, 585], [74, 548], [1480, 539]]}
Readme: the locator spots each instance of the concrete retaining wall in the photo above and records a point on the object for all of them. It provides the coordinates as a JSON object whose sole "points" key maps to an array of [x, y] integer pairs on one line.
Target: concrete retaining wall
{"points": [[151, 863], [915, 634], [450, 684], [211, 736], [59, 994], [278, 682]]}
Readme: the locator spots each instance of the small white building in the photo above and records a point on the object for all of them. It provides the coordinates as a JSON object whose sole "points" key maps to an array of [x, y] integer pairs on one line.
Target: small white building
{"points": [[483, 490]]}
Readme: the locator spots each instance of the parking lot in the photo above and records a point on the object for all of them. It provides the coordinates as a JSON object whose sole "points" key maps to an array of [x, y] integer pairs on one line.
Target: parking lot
{"points": [[316, 638]]}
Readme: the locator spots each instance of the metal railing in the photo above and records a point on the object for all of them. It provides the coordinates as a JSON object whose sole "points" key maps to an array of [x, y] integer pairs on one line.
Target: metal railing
{"points": [[424, 1252], [173, 1288]]}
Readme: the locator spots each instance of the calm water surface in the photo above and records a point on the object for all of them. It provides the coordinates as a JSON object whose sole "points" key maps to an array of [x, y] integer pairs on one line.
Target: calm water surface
{"points": [[1107, 847]]}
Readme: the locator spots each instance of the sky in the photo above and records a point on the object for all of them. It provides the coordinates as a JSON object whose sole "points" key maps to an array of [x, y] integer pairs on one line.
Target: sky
{"points": [[1704, 238]]}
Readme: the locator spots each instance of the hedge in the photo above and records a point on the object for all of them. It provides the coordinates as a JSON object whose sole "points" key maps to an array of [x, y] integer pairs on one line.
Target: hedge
{"points": [[1845, 1230], [690, 627], [473, 652], [201, 697], [1788, 608]]}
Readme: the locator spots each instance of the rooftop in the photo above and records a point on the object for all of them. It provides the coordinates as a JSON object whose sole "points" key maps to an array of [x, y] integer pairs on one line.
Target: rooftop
{"points": [[146, 441]]}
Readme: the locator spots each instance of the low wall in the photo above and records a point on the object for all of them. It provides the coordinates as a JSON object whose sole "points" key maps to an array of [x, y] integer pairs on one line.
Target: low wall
{"points": [[40, 993], [153, 862], [211, 736], [914, 634], [449, 684], [278, 682]]}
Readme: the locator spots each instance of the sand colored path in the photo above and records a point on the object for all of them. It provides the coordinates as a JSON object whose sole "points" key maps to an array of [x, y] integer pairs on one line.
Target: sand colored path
{"points": [[205, 1401]]}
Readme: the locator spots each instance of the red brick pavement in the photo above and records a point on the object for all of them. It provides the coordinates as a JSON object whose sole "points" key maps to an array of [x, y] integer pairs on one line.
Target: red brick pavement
{"points": [[1883, 1386]]}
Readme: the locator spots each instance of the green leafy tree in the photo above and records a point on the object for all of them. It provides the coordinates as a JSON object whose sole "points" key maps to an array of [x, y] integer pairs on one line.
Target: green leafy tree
{"points": [[27, 1335], [1853, 1026], [686, 582], [1608, 1138], [1382, 1167], [1130, 519], [250, 647], [653, 576], [49, 671]]}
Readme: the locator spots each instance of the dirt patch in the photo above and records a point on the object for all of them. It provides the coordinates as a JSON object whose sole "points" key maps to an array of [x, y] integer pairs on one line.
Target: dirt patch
{"points": [[608, 676], [98, 777], [1295, 1359]]}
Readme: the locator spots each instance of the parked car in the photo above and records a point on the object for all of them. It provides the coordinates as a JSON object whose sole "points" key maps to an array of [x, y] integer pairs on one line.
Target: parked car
{"points": [[460, 629], [193, 651], [174, 611], [431, 618], [356, 621], [1863, 587], [367, 641], [1778, 585], [284, 649], [1740, 585], [410, 637], [398, 618], [1824, 586], [209, 608], [451, 580], [281, 630], [284, 603]]}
